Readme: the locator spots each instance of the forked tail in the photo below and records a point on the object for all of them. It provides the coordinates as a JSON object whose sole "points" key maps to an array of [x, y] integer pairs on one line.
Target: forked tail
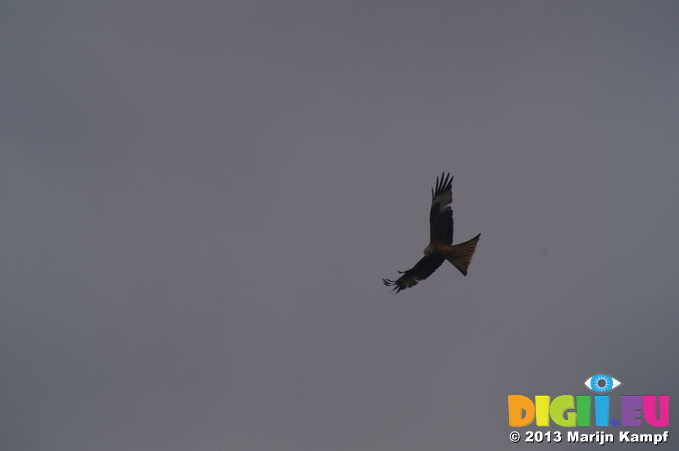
{"points": [[461, 254]]}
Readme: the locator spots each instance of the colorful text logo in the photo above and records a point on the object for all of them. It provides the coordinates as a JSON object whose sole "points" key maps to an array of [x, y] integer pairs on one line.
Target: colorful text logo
{"points": [[572, 411]]}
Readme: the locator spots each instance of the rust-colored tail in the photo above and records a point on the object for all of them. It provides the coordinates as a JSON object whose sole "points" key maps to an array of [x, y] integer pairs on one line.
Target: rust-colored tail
{"points": [[461, 254]]}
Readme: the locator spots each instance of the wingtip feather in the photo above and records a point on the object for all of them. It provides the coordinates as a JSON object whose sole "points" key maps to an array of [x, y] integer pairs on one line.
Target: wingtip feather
{"points": [[389, 283], [443, 183]]}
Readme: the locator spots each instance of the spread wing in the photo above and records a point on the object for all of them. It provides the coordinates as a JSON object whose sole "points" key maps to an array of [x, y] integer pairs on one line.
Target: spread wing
{"points": [[440, 214], [423, 269]]}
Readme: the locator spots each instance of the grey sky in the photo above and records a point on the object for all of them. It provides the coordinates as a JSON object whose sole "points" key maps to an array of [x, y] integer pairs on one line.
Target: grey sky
{"points": [[199, 201]]}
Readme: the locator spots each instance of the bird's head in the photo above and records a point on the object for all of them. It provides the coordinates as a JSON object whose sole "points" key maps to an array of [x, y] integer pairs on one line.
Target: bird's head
{"points": [[428, 250]]}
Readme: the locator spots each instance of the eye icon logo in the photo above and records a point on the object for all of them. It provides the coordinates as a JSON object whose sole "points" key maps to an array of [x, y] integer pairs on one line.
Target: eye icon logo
{"points": [[602, 383]]}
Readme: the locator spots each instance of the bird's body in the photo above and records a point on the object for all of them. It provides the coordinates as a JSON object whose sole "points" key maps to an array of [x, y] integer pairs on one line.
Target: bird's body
{"points": [[441, 245]]}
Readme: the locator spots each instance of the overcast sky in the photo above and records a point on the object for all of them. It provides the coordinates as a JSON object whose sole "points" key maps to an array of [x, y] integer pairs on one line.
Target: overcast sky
{"points": [[198, 202]]}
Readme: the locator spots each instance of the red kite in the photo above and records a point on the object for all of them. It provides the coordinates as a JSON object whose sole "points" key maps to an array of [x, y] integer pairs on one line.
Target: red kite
{"points": [[440, 246]]}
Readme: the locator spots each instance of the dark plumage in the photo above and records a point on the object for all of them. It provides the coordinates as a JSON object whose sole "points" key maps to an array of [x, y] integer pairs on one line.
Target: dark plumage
{"points": [[440, 246]]}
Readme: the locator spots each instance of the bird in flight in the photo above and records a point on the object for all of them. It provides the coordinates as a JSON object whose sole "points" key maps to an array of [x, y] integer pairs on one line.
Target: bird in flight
{"points": [[440, 246]]}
